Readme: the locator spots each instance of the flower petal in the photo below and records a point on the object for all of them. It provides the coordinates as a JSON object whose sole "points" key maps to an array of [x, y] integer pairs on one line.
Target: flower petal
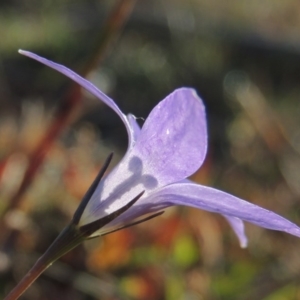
{"points": [[87, 85], [238, 227], [236, 224], [136, 129], [173, 141], [220, 202]]}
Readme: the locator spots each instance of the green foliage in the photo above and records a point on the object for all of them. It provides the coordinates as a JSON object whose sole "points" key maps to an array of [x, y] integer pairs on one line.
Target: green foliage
{"points": [[185, 252]]}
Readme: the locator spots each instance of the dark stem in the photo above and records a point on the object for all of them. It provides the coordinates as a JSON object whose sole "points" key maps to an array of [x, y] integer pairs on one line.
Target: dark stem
{"points": [[68, 239], [27, 280]]}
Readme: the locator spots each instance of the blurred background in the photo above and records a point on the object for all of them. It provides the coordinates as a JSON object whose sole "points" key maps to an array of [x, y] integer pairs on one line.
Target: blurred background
{"points": [[242, 57]]}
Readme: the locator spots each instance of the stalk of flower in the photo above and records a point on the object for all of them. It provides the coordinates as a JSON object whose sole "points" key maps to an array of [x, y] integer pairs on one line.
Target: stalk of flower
{"points": [[152, 176]]}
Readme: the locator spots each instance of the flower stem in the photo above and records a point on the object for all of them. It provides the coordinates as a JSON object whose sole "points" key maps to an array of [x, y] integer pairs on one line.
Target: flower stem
{"points": [[68, 239], [28, 279]]}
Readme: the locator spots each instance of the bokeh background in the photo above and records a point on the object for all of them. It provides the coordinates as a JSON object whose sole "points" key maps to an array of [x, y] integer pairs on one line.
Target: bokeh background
{"points": [[242, 57]]}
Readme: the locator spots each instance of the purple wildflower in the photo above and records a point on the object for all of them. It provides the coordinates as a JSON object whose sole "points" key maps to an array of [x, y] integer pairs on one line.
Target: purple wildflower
{"points": [[169, 147]]}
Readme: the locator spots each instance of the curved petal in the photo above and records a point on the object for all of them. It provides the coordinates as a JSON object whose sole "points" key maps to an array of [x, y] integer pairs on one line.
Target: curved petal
{"points": [[173, 141], [220, 202], [136, 129], [236, 224], [239, 228], [85, 84]]}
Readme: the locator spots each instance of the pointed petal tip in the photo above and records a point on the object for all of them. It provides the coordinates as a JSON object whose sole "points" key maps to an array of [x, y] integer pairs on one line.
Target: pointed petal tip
{"points": [[239, 228], [27, 53], [23, 52], [244, 244]]}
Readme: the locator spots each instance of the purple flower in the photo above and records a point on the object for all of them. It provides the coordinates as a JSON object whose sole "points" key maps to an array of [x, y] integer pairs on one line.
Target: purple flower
{"points": [[152, 176]]}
